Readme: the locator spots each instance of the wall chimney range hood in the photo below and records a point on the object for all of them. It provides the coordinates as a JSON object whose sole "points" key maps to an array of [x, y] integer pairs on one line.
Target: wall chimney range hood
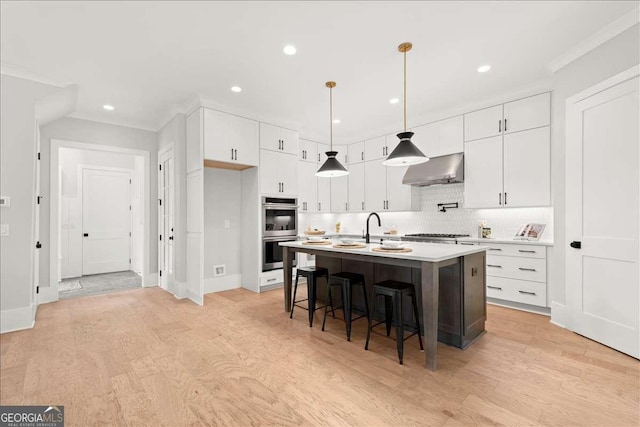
{"points": [[447, 169]]}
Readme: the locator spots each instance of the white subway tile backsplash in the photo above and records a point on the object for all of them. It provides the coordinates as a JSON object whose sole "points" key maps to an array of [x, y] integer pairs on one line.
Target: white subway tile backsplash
{"points": [[504, 222]]}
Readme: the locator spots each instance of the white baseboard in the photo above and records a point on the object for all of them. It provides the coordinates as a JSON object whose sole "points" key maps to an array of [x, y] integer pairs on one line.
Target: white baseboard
{"points": [[47, 294], [224, 283], [545, 311], [179, 289], [17, 319], [151, 280], [560, 315], [195, 298]]}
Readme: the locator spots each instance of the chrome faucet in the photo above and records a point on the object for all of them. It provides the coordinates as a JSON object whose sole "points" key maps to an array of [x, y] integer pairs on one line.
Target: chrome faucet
{"points": [[368, 218]]}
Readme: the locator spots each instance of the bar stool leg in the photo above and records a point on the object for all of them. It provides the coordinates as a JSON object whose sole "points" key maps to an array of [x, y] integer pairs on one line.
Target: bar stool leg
{"points": [[293, 301], [373, 307], [366, 303], [415, 313], [311, 292], [388, 313], [326, 307], [346, 307], [397, 318]]}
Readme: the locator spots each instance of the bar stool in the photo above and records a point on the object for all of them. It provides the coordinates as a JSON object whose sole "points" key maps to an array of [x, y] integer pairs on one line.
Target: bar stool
{"points": [[346, 281], [312, 274], [393, 291]]}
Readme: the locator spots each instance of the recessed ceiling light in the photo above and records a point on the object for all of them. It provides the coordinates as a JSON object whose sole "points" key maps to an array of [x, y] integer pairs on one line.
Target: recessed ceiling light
{"points": [[394, 100], [236, 89], [108, 107], [336, 121], [484, 68], [290, 50]]}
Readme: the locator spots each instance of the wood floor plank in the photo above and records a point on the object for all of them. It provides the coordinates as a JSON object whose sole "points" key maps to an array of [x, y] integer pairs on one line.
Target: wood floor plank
{"points": [[142, 357]]}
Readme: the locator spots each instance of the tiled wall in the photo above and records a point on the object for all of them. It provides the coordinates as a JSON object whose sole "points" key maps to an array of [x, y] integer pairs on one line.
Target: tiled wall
{"points": [[503, 222]]}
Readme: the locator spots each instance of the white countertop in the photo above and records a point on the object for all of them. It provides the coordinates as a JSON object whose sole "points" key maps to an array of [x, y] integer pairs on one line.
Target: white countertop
{"points": [[430, 252]]}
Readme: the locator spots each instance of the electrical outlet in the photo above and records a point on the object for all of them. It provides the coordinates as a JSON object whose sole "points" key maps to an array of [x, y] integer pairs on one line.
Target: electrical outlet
{"points": [[219, 270]]}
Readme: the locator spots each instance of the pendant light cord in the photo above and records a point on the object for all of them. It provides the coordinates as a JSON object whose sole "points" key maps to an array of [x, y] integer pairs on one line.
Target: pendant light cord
{"points": [[330, 118], [404, 54]]}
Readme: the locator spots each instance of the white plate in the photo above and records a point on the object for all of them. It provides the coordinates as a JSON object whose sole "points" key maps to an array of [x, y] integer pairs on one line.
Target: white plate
{"points": [[392, 247], [315, 238]]}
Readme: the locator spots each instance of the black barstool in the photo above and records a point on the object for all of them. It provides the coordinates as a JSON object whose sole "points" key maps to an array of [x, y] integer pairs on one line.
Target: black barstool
{"points": [[312, 274], [347, 281], [393, 291]]}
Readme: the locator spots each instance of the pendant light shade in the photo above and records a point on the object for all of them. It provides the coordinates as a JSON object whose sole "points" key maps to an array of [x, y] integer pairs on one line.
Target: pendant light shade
{"points": [[405, 153], [331, 167]]}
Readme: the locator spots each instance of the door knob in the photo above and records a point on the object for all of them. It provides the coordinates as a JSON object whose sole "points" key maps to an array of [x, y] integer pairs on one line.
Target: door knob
{"points": [[86, 234], [576, 245]]}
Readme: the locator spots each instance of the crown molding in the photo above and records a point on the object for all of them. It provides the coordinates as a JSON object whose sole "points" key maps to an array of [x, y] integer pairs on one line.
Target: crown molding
{"points": [[135, 124], [26, 74], [618, 26]]}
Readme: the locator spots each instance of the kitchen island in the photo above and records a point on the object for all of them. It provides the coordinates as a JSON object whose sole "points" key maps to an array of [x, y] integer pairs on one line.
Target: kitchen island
{"points": [[453, 309]]}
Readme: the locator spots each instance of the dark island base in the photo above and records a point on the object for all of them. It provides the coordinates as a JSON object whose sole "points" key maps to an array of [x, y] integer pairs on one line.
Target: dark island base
{"points": [[461, 302]]}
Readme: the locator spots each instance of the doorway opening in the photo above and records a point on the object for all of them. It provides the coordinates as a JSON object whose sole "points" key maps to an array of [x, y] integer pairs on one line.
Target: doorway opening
{"points": [[99, 218]]}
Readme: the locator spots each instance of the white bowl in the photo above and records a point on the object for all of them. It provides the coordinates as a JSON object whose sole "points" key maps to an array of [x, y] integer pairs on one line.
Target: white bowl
{"points": [[315, 238], [391, 244], [347, 241]]}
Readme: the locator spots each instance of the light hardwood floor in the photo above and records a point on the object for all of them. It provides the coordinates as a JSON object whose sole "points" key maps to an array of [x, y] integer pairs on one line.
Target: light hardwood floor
{"points": [[142, 357]]}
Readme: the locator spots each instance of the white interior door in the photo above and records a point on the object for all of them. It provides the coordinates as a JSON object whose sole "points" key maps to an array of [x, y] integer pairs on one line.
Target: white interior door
{"points": [[603, 216], [36, 218], [106, 221], [166, 191]]}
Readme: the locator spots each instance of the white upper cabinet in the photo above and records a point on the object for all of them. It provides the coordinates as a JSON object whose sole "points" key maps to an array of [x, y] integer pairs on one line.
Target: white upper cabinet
{"points": [[278, 173], [483, 123], [355, 152], [322, 153], [356, 187], [307, 150], [527, 168], [324, 194], [278, 139], [440, 138], [399, 195], [483, 173], [229, 138], [307, 187], [375, 148], [527, 113], [339, 193], [375, 175]]}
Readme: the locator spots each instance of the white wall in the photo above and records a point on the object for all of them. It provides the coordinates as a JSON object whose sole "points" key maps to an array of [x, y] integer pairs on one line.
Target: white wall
{"points": [[174, 133], [616, 55], [92, 133], [71, 202], [222, 202], [17, 168]]}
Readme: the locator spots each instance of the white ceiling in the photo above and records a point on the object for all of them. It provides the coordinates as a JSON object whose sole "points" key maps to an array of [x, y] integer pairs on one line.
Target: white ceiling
{"points": [[149, 58]]}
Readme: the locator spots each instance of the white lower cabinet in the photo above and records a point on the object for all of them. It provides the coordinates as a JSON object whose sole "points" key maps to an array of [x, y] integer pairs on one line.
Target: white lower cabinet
{"points": [[517, 273]]}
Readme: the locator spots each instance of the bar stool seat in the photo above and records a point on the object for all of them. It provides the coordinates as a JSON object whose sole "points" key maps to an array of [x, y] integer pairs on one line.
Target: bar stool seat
{"points": [[393, 291], [346, 280], [311, 274]]}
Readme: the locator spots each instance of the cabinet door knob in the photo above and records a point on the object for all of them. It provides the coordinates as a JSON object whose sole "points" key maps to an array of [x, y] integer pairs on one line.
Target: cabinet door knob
{"points": [[500, 199], [505, 129], [499, 125], [505, 197], [576, 244], [232, 154]]}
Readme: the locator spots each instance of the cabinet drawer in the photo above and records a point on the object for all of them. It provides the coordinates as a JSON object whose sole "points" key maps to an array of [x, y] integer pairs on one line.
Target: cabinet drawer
{"points": [[522, 291], [517, 268], [527, 251], [272, 277]]}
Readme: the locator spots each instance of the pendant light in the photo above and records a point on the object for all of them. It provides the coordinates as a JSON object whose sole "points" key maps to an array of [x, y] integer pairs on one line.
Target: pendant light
{"points": [[405, 153], [331, 166]]}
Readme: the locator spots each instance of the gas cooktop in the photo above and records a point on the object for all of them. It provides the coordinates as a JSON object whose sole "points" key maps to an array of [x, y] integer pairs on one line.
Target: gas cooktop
{"points": [[433, 237]]}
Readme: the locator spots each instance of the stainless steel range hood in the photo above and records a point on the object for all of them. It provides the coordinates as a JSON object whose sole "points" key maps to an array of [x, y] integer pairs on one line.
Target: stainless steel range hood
{"points": [[438, 170]]}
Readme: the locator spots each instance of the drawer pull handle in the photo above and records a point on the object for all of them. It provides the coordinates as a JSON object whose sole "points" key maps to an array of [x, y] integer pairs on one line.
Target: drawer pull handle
{"points": [[494, 287], [470, 244], [526, 252], [493, 265], [526, 269], [271, 280], [495, 249], [527, 293]]}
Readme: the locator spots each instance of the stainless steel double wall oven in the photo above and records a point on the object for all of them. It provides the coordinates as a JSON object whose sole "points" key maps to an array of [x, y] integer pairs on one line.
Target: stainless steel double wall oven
{"points": [[279, 224]]}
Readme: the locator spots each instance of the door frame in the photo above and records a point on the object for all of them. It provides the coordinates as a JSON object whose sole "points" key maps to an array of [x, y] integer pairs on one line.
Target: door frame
{"points": [[169, 152], [563, 312], [80, 185], [149, 278]]}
